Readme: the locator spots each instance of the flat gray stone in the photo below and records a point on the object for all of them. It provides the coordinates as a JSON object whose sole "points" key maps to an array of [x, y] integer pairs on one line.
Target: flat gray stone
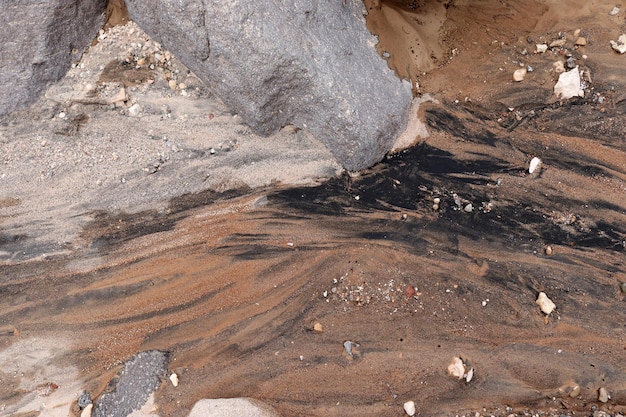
{"points": [[307, 63], [232, 407], [38, 42], [139, 378]]}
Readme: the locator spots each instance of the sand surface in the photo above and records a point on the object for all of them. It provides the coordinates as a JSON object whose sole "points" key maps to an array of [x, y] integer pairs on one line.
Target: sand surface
{"points": [[177, 229]]}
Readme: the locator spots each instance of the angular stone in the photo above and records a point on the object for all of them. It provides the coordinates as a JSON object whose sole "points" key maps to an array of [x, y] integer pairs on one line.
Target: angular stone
{"points": [[38, 41], [306, 63]]}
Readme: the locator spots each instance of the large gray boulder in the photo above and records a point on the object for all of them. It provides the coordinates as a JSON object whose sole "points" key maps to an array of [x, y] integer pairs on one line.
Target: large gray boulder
{"points": [[38, 41], [308, 63]]}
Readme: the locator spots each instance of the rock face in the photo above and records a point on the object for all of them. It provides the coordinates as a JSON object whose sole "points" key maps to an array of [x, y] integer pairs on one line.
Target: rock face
{"points": [[302, 62], [38, 40]]}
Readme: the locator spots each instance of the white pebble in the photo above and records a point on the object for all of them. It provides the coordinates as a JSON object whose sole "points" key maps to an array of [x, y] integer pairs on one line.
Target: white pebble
{"points": [[62, 115], [546, 305], [86, 411], [456, 368], [174, 379], [519, 74], [134, 110], [541, 48], [534, 164], [603, 395], [620, 45], [409, 408]]}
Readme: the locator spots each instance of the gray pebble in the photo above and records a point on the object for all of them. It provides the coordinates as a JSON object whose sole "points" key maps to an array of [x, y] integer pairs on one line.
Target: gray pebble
{"points": [[84, 400]]}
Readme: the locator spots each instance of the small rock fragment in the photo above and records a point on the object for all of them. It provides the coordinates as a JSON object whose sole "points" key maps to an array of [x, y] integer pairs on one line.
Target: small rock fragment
{"points": [[615, 10], [571, 62], [469, 208], [469, 375], [318, 328], [568, 85], [546, 305], [541, 48], [84, 400], [409, 408], [409, 291], [534, 164], [134, 110], [558, 43], [519, 74], [172, 84], [347, 345], [620, 45], [558, 67], [174, 379], [86, 411], [456, 368], [575, 392], [622, 287], [581, 41], [549, 250], [603, 395]]}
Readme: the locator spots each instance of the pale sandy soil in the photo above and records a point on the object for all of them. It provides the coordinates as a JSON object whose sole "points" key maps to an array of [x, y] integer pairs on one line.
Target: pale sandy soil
{"points": [[125, 233]]}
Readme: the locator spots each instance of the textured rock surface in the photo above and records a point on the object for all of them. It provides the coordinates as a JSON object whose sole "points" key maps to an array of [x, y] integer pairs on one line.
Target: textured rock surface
{"points": [[232, 407], [38, 40], [139, 378], [302, 62]]}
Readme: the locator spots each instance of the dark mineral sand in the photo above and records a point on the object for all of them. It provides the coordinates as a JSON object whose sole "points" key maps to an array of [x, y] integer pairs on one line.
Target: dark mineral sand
{"points": [[232, 284]]}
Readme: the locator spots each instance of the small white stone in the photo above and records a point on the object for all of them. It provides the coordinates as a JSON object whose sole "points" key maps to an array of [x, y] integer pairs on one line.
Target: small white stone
{"points": [[134, 110], [86, 411], [409, 408], [534, 164], [568, 85], [603, 395], [545, 304], [519, 74], [559, 67], [174, 379], [620, 45], [541, 48], [62, 115], [456, 368], [469, 375], [558, 43], [469, 208], [615, 10]]}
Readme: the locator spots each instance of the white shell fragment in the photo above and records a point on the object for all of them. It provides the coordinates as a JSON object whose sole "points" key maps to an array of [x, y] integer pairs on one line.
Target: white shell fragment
{"points": [[546, 304], [534, 164], [174, 379], [469, 375], [409, 408]]}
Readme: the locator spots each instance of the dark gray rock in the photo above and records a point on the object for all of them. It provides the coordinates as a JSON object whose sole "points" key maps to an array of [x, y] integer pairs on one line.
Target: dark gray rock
{"points": [[139, 378], [38, 41], [308, 63]]}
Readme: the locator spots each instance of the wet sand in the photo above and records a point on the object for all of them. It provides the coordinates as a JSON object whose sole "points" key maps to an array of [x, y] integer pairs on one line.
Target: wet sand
{"points": [[231, 284]]}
